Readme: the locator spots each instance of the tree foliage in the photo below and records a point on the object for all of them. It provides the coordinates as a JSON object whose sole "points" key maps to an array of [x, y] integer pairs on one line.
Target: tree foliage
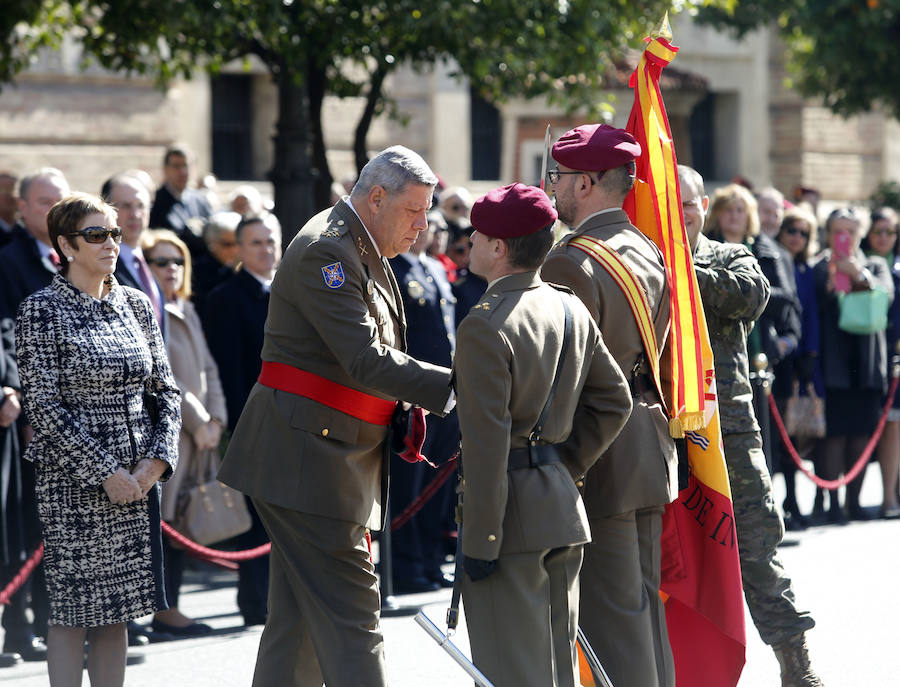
{"points": [[312, 48], [843, 51]]}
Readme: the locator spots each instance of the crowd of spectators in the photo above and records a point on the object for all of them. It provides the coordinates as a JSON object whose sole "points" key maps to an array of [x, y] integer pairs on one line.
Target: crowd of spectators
{"points": [[808, 347], [206, 265]]}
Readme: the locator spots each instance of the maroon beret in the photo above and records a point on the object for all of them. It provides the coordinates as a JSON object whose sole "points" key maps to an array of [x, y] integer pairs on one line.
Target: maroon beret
{"points": [[596, 147], [512, 211]]}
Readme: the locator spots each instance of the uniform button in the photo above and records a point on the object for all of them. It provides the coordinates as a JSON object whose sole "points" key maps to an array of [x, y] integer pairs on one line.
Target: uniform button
{"points": [[492, 537], [340, 222], [325, 432], [429, 279], [443, 301]]}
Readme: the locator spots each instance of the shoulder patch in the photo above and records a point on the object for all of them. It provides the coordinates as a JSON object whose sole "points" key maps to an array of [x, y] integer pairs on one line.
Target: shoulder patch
{"points": [[333, 275]]}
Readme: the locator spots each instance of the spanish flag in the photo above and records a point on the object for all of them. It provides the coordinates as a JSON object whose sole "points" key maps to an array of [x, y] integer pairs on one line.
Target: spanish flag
{"points": [[701, 575]]}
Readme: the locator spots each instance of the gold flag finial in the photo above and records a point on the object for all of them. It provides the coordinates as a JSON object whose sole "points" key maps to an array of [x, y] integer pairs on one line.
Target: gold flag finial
{"points": [[663, 29]]}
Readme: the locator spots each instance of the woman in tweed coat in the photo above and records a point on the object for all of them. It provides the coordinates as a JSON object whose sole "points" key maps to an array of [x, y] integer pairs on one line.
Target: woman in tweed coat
{"points": [[88, 351]]}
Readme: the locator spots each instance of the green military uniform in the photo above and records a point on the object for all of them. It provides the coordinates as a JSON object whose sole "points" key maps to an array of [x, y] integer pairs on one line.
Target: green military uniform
{"points": [[532, 519], [317, 475], [626, 491], [734, 293]]}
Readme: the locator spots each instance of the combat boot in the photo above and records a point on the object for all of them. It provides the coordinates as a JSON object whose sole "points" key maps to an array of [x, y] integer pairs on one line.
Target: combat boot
{"points": [[793, 657]]}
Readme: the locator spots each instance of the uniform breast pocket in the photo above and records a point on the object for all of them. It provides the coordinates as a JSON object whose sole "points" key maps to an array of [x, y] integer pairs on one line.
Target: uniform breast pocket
{"points": [[325, 422]]}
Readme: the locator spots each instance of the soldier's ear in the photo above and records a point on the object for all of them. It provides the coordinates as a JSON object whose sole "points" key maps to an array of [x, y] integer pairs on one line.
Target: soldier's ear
{"points": [[377, 195]]}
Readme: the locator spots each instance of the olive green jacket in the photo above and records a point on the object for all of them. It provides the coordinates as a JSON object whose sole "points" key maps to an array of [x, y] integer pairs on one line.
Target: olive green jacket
{"points": [[335, 310], [506, 357], [639, 469]]}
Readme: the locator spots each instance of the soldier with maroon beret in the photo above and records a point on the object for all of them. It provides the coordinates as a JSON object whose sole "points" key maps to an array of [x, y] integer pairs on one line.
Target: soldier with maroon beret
{"points": [[626, 491], [540, 398]]}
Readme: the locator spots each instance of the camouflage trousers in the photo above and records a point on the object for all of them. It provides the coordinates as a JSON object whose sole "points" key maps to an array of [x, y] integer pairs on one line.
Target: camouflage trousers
{"points": [[767, 588]]}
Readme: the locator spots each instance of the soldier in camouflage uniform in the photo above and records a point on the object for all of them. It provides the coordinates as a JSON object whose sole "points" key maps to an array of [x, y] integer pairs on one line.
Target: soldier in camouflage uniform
{"points": [[735, 292]]}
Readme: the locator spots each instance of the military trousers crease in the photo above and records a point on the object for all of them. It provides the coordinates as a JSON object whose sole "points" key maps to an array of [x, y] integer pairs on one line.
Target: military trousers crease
{"points": [[760, 529], [522, 620], [622, 614], [324, 605]]}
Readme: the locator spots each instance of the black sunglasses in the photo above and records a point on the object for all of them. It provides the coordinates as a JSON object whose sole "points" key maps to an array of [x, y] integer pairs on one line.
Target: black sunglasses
{"points": [[99, 234], [795, 231], [165, 262]]}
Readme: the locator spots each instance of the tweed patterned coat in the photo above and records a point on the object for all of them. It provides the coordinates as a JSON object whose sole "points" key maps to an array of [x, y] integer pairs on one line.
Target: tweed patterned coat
{"points": [[84, 365]]}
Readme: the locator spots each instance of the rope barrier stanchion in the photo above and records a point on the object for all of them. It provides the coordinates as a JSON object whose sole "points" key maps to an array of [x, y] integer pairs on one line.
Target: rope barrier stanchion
{"points": [[831, 485], [22, 575]]}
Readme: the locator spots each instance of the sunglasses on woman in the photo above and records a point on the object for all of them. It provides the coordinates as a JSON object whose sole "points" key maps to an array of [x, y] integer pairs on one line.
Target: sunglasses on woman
{"points": [[165, 262], [99, 234], [796, 231]]}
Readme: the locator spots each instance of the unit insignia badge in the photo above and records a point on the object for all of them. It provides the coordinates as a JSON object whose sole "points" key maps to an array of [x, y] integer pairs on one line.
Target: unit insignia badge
{"points": [[333, 275]]}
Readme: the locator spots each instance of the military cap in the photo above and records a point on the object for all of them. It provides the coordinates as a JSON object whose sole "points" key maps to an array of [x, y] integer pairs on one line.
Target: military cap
{"points": [[512, 211], [595, 148]]}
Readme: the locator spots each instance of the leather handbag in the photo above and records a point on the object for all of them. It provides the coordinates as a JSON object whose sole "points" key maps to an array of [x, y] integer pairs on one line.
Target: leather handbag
{"points": [[864, 312], [804, 416], [210, 511]]}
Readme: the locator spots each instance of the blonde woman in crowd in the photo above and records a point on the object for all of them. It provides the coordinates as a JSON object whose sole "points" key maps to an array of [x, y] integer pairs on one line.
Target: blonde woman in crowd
{"points": [[203, 411]]}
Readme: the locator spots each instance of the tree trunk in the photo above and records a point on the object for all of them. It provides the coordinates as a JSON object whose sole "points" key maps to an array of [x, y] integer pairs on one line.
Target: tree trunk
{"points": [[360, 150], [317, 81], [291, 173]]}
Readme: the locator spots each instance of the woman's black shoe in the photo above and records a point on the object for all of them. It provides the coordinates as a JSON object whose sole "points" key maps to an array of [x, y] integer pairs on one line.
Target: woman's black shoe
{"points": [[192, 630]]}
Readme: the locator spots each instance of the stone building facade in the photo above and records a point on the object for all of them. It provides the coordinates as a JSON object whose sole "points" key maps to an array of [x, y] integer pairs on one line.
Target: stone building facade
{"points": [[729, 112]]}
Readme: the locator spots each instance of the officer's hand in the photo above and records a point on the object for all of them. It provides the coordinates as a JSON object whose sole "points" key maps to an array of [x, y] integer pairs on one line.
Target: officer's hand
{"points": [[478, 568]]}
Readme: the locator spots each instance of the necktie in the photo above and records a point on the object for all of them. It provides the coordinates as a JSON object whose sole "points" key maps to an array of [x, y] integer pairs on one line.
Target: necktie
{"points": [[147, 284], [53, 256]]}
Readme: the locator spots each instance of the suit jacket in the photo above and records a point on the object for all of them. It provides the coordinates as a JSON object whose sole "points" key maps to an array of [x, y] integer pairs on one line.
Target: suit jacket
{"points": [[335, 311], [11, 533], [22, 271], [125, 277], [429, 307], [509, 345], [782, 317], [235, 320], [177, 214], [640, 468]]}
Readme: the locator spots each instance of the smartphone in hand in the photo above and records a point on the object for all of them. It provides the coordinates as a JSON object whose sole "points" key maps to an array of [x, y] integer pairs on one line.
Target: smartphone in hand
{"points": [[841, 251]]}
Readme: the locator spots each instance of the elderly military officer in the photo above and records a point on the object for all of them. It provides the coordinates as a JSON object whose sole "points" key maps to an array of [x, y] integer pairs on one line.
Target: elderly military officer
{"points": [[309, 446], [735, 291], [524, 523], [626, 491]]}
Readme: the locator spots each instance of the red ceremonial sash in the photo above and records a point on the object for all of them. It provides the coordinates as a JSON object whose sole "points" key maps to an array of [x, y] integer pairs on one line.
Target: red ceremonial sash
{"points": [[363, 406]]}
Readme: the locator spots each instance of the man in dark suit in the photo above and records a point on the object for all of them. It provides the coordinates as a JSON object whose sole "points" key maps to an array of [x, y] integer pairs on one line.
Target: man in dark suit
{"points": [[235, 320], [131, 199], [8, 206], [27, 264], [309, 447], [177, 207], [626, 491], [428, 302], [540, 399]]}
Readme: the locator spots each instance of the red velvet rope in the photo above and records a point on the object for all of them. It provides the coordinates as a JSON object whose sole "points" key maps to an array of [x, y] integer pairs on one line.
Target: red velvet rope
{"points": [[223, 558], [831, 485], [22, 575], [226, 559], [213, 555], [426, 494]]}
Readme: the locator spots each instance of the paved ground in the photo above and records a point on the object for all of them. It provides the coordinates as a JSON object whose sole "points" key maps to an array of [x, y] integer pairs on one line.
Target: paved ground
{"points": [[844, 575]]}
